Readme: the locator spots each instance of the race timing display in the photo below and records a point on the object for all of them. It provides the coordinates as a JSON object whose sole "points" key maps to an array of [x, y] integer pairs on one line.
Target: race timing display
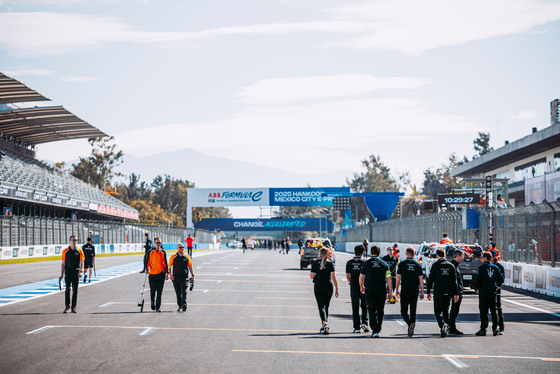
{"points": [[467, 198]]}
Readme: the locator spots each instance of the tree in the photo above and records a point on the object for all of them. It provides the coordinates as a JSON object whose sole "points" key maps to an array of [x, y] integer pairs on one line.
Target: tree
{"points": [[376, 178], [99, 168], [482, 144], [135, 190], [439, 180], [410, 205]]}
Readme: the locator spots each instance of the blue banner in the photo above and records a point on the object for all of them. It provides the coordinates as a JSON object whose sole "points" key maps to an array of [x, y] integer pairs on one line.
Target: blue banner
{"points": [[285, 224], [322, 196]]}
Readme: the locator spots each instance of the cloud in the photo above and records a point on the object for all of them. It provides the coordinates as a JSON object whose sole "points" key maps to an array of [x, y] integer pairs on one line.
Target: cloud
{"points": [[79, 79], [414, 27], [25, 72], [526, 114], [281, 90], [408, 26], [323, 136]]}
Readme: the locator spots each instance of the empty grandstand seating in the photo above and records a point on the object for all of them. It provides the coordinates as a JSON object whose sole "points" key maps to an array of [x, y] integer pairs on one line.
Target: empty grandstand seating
{"points": [[28, 172]]}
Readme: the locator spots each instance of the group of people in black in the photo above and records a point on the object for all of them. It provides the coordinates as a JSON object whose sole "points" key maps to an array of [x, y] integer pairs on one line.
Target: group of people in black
{"points": [[373, 281], [74, 260]]}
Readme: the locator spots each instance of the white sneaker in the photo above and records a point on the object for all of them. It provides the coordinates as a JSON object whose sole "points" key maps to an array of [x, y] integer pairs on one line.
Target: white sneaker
{"points": [[375, 335], [364, 327], [357, 331]]}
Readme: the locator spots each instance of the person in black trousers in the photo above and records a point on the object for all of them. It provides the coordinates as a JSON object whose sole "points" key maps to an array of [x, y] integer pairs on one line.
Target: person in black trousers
{"points": [[158, 273], [372, 282], [324, 278], [444, 275], [494, 254], [179, 266], [410, 278], [147, 248], [458, 257], [488, 281], [353, 269], [71, 268]]}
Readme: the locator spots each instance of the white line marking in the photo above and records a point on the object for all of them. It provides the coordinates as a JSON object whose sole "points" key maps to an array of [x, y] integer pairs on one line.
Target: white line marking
{"points": [[455, 361], [400, 322], [531, 307], [44, 328], [146, 332], [205, 291]]}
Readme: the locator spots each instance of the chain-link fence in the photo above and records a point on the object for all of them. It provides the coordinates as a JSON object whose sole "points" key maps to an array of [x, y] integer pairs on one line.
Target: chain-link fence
{"points": [[528, 234], [28, 231]]}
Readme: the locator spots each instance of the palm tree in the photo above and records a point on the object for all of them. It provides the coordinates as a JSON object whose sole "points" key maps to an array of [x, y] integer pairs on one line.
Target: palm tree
{"points": [[412, 204]]}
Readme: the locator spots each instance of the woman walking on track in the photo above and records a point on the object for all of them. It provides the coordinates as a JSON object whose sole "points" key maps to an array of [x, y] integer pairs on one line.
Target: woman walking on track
{"points": [[324, 278]]}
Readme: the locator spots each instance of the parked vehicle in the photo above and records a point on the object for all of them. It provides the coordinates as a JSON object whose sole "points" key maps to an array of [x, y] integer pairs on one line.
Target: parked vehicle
{"points": [[311, 251], [469, 266]]}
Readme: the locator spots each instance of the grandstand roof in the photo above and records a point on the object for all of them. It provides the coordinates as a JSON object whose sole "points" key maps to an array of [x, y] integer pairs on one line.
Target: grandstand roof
{"points": [[43, 125], [13, 91]]}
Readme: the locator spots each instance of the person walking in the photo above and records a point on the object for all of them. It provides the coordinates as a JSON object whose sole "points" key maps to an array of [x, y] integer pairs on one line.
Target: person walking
{"points": [[372, 283], [244, 244], [495, 258], [89, 258], [190, 245], [287, 244], [158, 274], [392, 261], [444, 276], [71, 269], [300, 245], [147, 248], [353, 269], [458, 257], [488, 282], [324, 279], [365, 243], [410, 278], [180, 265]]}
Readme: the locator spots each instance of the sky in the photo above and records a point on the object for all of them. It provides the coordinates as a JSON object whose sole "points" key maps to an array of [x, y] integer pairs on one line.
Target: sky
{"points": [[308, 86]]}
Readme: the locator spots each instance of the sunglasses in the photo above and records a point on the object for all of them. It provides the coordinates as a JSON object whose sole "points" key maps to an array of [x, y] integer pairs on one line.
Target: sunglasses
{"points": [[181, 247], [73, 240], [158, 242]]}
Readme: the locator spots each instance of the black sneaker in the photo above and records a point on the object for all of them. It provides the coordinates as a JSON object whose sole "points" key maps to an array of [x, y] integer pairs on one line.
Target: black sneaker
{"points": [[411, 329], [66, 310], [143, 271], [494, 332], [481, 333], [444, 330], [74, 310], [158, 310], [364, 327], [179, 309], [326, 330], [455, 332], [184, 307], [153, 306], [85, 277]]}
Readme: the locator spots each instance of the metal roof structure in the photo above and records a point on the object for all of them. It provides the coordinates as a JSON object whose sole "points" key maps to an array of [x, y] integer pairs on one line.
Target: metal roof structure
{"points": [[548, 138], [43, 125], [13, 91]]}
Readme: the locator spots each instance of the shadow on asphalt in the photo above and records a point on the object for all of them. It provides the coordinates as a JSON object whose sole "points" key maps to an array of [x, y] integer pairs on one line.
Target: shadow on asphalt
{"points": [[29, 314]]}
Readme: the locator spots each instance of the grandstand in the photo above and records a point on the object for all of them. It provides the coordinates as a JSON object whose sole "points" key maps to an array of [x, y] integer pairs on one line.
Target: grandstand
{"points": [[29, 186]]}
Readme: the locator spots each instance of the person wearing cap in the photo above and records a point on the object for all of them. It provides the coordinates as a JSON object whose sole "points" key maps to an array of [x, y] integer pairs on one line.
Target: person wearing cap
{"points": [[499, 293], [89, 255], [158, 273], [180, 265], [71, 269], [392, 261]]}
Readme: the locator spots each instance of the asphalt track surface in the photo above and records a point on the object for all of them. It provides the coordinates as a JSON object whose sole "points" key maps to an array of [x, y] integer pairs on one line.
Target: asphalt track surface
{"points": [[255, 313]]}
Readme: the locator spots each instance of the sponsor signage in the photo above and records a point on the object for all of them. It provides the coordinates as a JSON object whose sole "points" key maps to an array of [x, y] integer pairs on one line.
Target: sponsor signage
{"points": [[218, 197], [65, 202], [286, 224]]}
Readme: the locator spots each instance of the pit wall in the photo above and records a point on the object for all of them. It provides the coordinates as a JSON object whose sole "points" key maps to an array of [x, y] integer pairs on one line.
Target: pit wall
{"points": [[535, 278], [37, 251]]}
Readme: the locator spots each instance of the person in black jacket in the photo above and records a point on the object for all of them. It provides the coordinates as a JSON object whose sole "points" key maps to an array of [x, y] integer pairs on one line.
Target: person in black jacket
{"points": [[372, 282], [353, 269], [89, 255], [180, 265], [147, 248], [488, 281], [410, 278], [458, 257], [324, 278], [444, 275], [494, 254], [392, 261]]}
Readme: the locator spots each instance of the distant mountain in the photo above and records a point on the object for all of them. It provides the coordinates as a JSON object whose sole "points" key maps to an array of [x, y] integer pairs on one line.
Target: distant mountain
{"points": [[209, 171]]}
